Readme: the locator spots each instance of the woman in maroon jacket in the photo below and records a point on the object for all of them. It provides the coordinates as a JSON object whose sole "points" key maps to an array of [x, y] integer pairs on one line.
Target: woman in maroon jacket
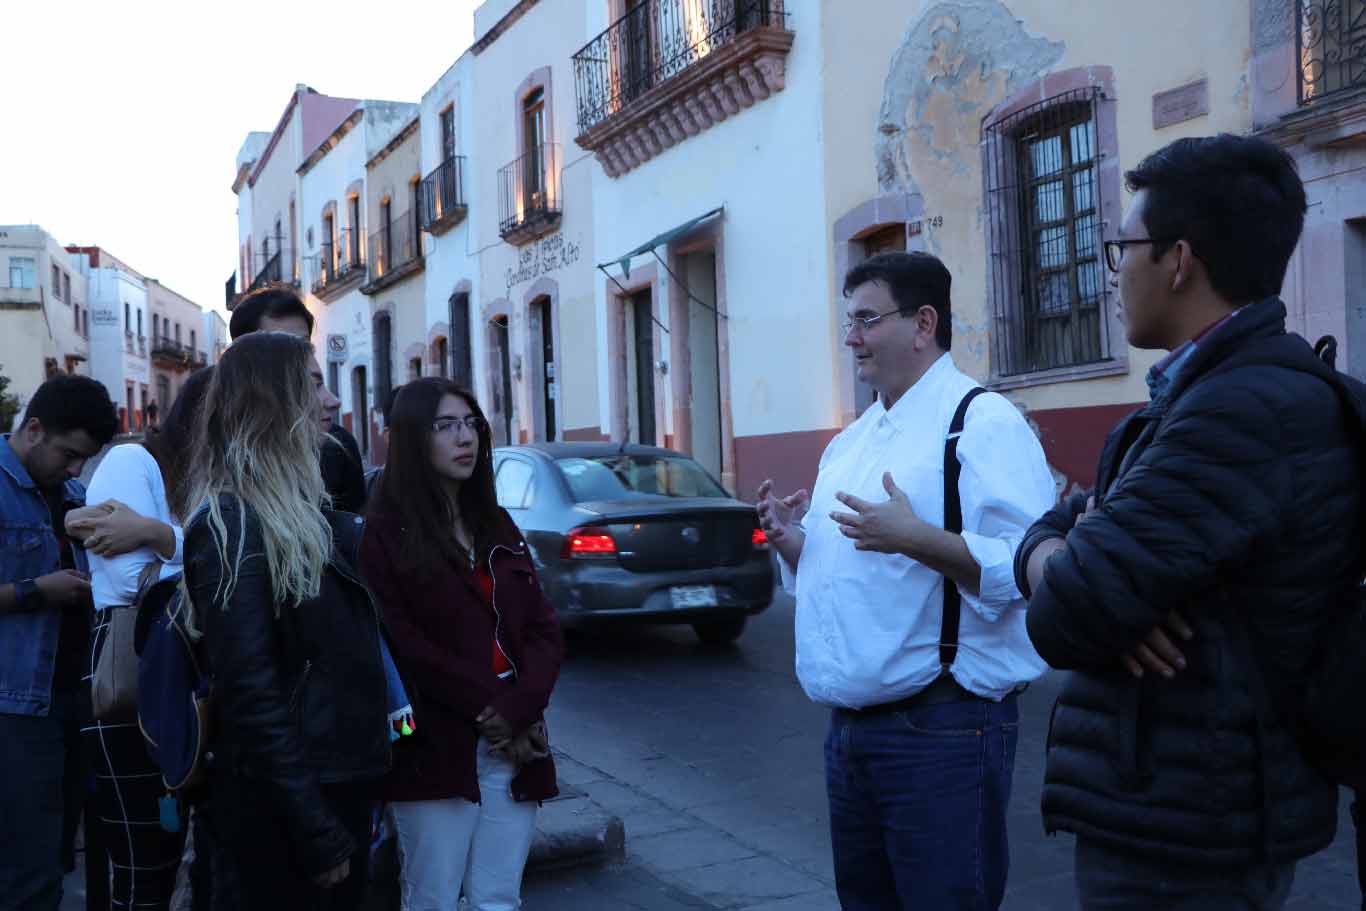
{"points": [[480, 645]]}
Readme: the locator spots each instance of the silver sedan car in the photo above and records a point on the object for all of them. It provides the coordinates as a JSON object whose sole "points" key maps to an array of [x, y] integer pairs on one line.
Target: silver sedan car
{"points": [[636, 534]]}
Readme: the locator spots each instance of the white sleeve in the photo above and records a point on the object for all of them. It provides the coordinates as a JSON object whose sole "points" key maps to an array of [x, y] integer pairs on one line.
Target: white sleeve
{"points": [[129, 474], [1005, 487]]}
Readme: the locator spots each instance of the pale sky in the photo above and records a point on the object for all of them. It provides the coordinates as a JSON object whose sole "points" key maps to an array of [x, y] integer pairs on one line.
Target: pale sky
{"points": [[122, 120]]}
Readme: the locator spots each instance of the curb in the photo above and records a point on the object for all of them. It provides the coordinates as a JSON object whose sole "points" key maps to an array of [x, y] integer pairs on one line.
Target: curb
{"points": [[574, 831]]}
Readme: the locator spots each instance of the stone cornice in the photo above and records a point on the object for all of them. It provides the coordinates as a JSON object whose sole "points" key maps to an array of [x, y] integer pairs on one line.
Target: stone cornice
{"points": [[723, 83], [1322, 123]]}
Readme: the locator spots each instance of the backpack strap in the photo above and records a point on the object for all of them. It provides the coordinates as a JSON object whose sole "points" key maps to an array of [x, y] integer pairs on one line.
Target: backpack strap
{"points": [[953, 523]]}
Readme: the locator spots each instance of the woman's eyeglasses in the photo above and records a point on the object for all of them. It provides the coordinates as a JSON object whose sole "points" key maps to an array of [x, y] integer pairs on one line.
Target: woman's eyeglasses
{"points": [[470, 422]]}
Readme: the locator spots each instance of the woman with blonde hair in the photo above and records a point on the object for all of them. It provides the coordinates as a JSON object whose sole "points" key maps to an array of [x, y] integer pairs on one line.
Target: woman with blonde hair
{"points": [[292, 639]]}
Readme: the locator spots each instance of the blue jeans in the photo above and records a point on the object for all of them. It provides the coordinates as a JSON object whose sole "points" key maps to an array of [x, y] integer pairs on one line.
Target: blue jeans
{"points": [[1113, 880], [918, 805], [43, 785]]}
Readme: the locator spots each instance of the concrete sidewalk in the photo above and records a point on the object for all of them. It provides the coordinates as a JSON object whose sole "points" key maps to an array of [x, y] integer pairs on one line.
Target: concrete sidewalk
{"points": [[571, 830]]}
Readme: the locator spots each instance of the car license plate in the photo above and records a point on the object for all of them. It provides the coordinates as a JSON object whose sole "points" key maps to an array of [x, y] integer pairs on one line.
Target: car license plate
{"points": [[693, 596]]}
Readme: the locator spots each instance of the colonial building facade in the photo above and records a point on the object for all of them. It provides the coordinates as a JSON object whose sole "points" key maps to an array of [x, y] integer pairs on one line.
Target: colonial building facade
{"points": [[633, 217]]}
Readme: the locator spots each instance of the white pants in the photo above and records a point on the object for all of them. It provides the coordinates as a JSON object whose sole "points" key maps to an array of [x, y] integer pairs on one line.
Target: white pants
{"points": [[446, 844]]}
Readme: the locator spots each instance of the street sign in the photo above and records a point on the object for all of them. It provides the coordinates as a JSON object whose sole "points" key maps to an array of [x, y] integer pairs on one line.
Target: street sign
{"points": [[336, 349]]}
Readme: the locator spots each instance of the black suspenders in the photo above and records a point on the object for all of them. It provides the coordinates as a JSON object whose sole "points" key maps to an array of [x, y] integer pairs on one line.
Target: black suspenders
{"points": [[953, 523]]}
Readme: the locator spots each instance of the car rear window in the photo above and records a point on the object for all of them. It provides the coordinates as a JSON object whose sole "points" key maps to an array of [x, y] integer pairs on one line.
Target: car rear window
{"points": [[620, 476]]}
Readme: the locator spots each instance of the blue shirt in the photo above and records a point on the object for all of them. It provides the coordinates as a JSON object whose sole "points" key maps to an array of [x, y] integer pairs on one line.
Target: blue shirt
{"points": [[28, 549]]}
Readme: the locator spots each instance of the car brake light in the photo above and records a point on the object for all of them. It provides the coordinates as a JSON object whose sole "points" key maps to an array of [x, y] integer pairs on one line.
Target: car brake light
{"points": [[588, 542], [759, 539]]}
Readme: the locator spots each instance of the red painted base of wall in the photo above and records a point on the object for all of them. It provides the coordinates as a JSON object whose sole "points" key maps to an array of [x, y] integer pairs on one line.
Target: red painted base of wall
{"points": [[1072, 438], [790, 459], [586, 435]]}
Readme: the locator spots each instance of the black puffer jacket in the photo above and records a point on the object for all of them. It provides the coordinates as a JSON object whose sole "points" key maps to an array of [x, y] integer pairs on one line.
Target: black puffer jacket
{"points": [[1235, 499], [299, 700]]}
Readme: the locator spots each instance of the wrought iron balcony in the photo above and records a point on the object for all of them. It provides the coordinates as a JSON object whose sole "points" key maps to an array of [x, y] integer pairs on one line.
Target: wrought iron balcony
{"points": [[340, 264], [669, 69], [441, 196], [529, 195], [1332, 47], [167, 352], [395, 252], [271, 272]]}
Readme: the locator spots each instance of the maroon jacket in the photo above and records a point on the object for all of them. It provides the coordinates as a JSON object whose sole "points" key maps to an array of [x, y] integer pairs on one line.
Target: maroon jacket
{"points": [[442, 632]]}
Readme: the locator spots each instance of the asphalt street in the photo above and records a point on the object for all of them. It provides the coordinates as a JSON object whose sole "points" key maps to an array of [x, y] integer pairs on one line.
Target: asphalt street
{"points": [[712, 756]]}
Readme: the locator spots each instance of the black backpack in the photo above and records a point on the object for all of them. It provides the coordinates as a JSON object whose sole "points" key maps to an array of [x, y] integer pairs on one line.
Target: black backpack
{"points": [[1332, 725], [1327, 716]]}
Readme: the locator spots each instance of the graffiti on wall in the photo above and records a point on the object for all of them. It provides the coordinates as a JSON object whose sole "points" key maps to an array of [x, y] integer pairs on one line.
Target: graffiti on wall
{"points": [[546, 255]]}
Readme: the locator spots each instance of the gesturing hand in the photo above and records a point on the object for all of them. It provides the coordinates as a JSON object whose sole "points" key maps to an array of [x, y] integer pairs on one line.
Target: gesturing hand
{"points": [[779, 514], [889, 527], [1157, 653]]}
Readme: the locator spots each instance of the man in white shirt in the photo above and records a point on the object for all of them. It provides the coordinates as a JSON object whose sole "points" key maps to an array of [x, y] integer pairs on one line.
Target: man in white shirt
{"points": [[921, 747]]}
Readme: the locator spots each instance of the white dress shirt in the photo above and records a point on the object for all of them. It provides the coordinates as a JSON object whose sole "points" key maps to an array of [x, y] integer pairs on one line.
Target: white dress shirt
{"points": [[129, 474], [868, 624]]}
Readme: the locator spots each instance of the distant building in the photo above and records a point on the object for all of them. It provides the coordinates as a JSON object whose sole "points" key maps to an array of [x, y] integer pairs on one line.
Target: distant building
{"points": [[119, 326], [215, 336], [44, 310], [176, 348]]}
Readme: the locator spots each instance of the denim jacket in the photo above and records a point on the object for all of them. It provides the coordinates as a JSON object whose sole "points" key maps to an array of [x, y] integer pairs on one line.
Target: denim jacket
{"points": [[28, 549]]}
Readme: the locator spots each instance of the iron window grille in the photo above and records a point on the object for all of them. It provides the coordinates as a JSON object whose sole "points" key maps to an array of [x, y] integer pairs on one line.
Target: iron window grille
{"points": [[1044, 230], [1331, 37]]}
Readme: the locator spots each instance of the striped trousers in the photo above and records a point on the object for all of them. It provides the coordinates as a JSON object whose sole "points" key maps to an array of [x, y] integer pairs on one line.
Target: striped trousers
{"points": [[143, 856]]}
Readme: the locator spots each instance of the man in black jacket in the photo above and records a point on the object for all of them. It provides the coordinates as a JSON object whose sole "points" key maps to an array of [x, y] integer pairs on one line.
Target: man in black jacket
{"points": [[278, 308], [1187, 591]]}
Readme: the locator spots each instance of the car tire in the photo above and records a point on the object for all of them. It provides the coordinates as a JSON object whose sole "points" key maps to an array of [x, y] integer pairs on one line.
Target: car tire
{"points": [[719, 632]]}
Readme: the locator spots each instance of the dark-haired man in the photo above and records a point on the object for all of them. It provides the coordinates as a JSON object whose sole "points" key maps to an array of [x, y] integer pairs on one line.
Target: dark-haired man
{"points": [[1187, 591], [921, 747], [278, 308], [44, 634]]}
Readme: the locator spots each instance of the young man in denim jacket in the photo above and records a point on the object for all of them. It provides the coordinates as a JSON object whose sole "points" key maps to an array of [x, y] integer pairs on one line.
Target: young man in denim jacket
{"points": [[44, 635]]}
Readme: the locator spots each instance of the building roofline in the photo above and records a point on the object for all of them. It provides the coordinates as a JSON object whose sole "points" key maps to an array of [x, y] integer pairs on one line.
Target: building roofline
{"points": [[502, 25], [398, 140], [333, 139], [276, 134]]}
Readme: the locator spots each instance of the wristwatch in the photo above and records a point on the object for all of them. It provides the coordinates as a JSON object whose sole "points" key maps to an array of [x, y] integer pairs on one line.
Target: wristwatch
{"points": [[28, 596]]}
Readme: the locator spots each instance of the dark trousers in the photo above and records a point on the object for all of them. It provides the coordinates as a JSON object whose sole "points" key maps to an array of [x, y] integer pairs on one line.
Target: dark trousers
{"points": [[251, 863], [143, 856], [1112, 880], [918, 805], [42, 789]]}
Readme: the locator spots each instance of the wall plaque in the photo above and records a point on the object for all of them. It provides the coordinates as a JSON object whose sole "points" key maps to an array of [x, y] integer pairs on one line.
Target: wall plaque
{"points": [[1180, 104]]}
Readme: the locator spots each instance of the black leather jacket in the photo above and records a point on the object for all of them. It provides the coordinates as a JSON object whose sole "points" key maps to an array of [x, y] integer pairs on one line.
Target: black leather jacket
{"points": [[299, 699]]}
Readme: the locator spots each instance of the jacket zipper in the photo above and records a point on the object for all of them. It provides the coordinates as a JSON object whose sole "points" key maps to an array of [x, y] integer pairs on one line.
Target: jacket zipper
{"points": [[497, 616], [299, 687]]}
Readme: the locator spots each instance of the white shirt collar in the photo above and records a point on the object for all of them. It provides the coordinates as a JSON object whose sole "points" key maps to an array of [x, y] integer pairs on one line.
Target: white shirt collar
{"points": [[922, 394]]}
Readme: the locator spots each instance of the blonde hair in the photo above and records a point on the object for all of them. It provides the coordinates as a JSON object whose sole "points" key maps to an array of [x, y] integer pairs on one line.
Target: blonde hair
{"points": [[256, 439]]}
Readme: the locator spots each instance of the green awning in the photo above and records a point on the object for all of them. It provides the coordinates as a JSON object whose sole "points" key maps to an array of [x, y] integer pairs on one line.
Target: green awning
{"points": [[660, 240]]}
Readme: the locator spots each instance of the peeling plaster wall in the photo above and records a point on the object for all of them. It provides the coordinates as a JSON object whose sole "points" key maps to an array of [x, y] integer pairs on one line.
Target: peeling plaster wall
{"points": [[956, 63], [907, 86]]}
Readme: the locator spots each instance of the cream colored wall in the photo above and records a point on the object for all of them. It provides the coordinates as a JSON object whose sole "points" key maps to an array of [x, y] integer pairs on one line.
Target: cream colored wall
{"points": [[24, 341], [546, 36], [1171, 43], [405, 300]]}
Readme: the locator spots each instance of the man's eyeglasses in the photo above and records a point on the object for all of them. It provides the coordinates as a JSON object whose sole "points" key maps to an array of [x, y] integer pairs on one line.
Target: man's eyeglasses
{"points": [[864, 323], [470, 422], [1114, 249]]}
